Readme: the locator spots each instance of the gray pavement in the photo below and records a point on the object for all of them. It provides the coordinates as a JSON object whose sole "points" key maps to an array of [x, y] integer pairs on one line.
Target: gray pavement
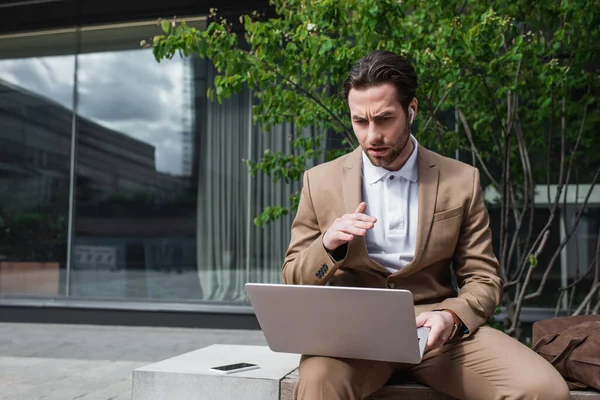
{"points": [[89, 362]]}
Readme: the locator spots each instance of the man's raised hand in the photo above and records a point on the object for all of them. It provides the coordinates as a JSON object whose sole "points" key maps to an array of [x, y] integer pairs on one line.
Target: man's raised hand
{"points": [[345, 228]]}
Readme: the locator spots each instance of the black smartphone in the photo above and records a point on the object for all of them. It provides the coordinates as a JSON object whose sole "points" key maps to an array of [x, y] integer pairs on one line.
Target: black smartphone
{"points": [[231, 368]]}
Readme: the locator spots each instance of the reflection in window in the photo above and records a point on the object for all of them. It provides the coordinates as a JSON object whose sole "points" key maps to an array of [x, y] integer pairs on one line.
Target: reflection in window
{"points": [[130, 94], [162, 200], [136, 199], [35, 151]]}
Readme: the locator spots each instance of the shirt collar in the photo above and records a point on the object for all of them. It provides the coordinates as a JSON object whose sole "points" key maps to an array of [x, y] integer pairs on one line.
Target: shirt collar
{"points": [[409, 170]]}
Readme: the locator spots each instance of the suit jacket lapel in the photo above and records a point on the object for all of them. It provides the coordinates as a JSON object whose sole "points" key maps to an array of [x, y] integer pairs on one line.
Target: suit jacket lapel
{"points": [[351, 180], [428, 188]]}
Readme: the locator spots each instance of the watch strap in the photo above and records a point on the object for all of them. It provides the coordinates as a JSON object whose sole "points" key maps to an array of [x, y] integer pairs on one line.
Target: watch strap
{"points": [[458, 324]]}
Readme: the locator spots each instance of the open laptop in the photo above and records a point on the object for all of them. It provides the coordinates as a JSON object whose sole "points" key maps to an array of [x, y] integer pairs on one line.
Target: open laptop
{"points": [[335, 321]]}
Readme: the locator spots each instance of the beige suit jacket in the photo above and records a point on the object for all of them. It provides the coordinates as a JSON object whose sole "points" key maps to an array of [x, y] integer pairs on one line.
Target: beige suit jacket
{"points": [[452, 232]]}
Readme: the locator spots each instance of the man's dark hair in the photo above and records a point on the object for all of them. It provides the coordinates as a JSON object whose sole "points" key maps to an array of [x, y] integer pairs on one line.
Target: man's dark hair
{"points": [[380, 67]]}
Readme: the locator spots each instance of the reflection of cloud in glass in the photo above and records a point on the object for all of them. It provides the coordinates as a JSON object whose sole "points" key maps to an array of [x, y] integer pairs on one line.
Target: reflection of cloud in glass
{"points": [[130, 92], [165, 136], [127, 91], [51, 77]]}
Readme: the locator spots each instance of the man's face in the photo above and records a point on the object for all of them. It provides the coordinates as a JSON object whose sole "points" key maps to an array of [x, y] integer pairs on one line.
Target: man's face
{"points": [[381, 125]]}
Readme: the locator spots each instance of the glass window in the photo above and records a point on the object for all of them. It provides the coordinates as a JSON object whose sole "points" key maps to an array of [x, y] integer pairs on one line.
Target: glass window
{"points": [[164, 200], [135, 220], [36, 102]]}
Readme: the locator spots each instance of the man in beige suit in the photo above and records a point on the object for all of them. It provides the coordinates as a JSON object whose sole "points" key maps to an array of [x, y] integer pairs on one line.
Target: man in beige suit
{"points": [[395, 215]]}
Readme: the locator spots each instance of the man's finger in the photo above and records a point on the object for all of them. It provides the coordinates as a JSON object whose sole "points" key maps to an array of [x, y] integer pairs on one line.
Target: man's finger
{"points": [[433, 340], [421, 319], [354, 230], [362, 207], [359, 217], [431, 343], [344, 236], [361, 224]]}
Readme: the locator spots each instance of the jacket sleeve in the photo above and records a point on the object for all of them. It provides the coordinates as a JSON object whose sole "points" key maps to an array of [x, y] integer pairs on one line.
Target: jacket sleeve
{"points": [[307, 262], [477, 269]]}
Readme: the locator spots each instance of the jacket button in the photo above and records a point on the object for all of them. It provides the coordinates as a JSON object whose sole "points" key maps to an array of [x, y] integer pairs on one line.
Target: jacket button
{"points": [[391, 285]]}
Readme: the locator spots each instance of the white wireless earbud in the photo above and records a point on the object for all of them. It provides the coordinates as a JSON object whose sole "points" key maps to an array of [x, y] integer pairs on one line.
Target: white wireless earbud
{"points": [[411, 114]]}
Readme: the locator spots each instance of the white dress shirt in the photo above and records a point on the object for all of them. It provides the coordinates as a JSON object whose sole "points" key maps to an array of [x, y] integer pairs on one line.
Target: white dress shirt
{"points": [[391, 197]]}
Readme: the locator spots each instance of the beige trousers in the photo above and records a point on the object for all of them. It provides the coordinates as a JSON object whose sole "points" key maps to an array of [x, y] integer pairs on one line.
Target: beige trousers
{"points": [[488, 365]]}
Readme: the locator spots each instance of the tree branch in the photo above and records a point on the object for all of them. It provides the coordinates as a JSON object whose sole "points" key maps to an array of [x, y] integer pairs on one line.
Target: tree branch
{"points": [[565, 240], [571, 299], [518, 217], [597, 258], [432, 114], [558, 301], [596, 309], [511, 109], [493, 101], [432, 117], [521, 295], [346, 130], [562, 183], [512, 116], [469, 135], [581, 278], [506, 191], [587, 299], [300, 89], [549, 147], [531, 10], [529, 196], [554, 206]]}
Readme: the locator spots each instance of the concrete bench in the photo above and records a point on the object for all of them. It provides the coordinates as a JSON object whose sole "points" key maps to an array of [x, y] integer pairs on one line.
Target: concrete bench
{"points": [[188, 376]]}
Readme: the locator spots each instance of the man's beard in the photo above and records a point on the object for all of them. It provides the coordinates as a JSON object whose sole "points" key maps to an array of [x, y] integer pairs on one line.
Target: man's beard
{"points": [[395, 151]]}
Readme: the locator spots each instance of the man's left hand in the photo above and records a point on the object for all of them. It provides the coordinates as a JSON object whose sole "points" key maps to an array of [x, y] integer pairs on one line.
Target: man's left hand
{"points": [[440, 324]]}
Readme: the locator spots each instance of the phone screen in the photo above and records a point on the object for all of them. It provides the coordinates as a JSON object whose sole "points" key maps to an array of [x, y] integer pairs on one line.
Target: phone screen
{"points": [[231, 367]]}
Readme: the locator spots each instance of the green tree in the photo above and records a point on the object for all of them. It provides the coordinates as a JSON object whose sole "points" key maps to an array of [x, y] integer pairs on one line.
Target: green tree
{"points": [[519, 78]]}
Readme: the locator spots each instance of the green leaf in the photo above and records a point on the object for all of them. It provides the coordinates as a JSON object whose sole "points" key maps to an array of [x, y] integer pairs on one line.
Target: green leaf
{"points": [[165, 26], [533, 261]]}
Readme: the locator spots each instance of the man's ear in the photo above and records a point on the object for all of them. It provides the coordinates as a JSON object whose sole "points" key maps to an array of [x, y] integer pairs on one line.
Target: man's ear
{"points": [[413, 106]]}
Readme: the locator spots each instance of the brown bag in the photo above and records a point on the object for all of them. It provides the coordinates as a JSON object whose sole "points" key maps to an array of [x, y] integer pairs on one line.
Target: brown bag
{"points": [[574, 351]]}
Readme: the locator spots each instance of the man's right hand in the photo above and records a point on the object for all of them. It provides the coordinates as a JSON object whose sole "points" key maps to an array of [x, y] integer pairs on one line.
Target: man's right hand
{"points": [[347, 226]]}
